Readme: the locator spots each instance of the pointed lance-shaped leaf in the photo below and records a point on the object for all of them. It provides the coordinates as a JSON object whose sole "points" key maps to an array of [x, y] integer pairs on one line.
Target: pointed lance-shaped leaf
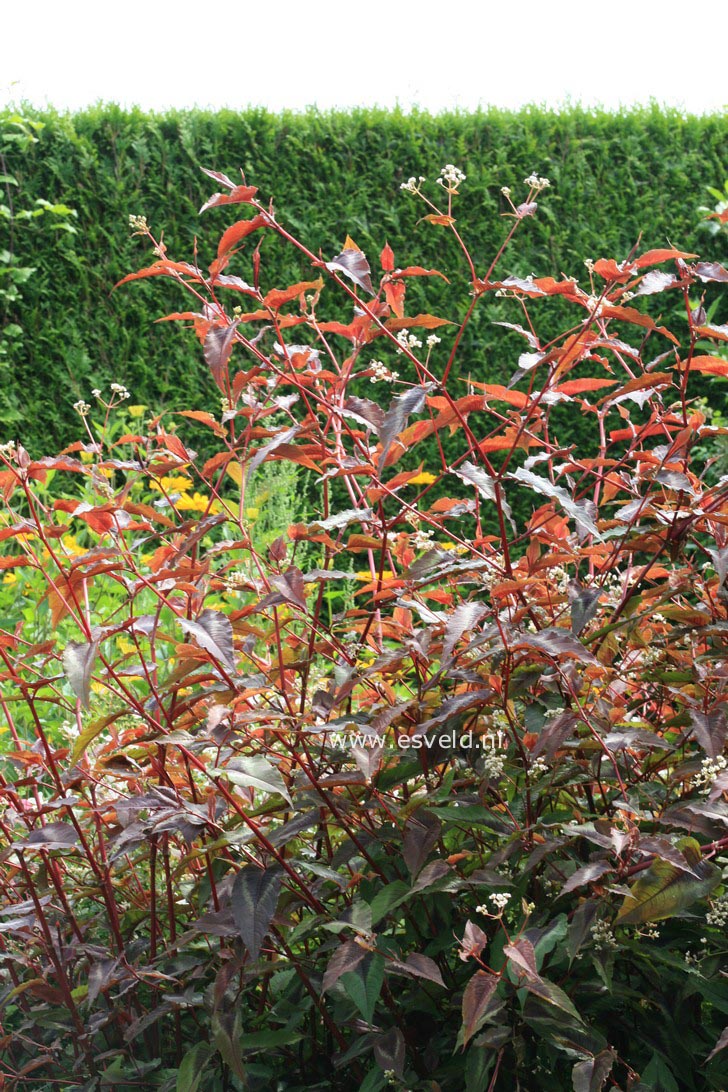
{"points": [[396, 417], [476, 997], [347, 957], [421, 832], [353, 264], [78, 662], [213, 632], [664, 890], [217, 349], [254, 900]]}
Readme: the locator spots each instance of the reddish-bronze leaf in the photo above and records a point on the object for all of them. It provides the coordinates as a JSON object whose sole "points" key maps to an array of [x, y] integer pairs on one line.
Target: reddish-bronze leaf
{"points": [[239, 231]]}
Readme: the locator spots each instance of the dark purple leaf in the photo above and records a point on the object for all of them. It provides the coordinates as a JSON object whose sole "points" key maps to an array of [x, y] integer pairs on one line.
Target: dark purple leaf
{"points": [[365, 410], [586, 875], [417, 966], [421, 832], [710, 730], [590, 1075], [463, 619], [346, 958], [263, 452], [213, 632], [217, 349], [78, 662], [396, 417], [254, 899], [353, 264], [389, 1051], [291, 586], [720, 1045], [584, 606], [478, 993], [711, 271]]}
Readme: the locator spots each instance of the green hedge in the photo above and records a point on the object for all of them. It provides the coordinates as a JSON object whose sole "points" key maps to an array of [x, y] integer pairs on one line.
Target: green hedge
{"points": [[613, 177]]}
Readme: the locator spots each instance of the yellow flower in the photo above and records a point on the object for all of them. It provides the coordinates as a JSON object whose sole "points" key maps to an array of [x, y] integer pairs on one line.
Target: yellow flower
{"points": [[135, 411], [423, 478], [366, 576], [252, 513], [72, 547], [124, 645], [175, 483], [10, 578], [197, 503]]}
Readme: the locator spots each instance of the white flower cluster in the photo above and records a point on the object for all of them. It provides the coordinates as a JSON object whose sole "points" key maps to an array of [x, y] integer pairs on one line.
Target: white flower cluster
{"points": [[421, 539], [506, 191], [560, 578], [536, 183], [718, 913], [500, 900], [493, 765], [603, 938], [407, 341], [450, 177], [82, 408], [120, 390], [491, 577], [538, 767], [7, 451], [138, 224], [432, 340], [709, 770], [381, 373], [412, 185]]}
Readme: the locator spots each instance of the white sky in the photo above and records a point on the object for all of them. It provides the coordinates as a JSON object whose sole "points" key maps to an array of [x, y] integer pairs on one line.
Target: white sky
{"points": [[297, 53]]}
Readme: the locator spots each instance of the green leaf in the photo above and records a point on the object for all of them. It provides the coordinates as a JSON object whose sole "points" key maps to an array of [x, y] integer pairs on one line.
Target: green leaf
{"points": [[657, 1075], [364, 985], [386, 899], [665, 890], [192, 1067]]}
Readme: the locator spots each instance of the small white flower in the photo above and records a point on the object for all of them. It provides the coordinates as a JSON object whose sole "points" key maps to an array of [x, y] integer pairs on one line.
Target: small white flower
{"points": [[381, 373], [603, 938], [718, 913], [500, 900], [96, 392], [8, 450], [506, 191], [138, 225], [709, 770], [407, 341], [432, 340], [82, 408], [536, 183], [420, 540], [412, 185], [451, 177]]}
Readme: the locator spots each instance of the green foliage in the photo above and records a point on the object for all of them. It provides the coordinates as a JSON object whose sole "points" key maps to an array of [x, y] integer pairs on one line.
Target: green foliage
{"points": [[462, 827]]}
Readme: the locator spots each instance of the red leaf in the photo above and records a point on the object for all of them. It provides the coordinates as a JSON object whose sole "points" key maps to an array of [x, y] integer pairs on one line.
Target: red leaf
{"points": [[610, 271], [580, 386], [394, 293], [436, 218], [277, 297], [239, 231], [163, 268], [709, 365], [387, 258], [654, 257], [640, 382], [630, 314], [418, 271], [426, 322], [238, 195]]}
